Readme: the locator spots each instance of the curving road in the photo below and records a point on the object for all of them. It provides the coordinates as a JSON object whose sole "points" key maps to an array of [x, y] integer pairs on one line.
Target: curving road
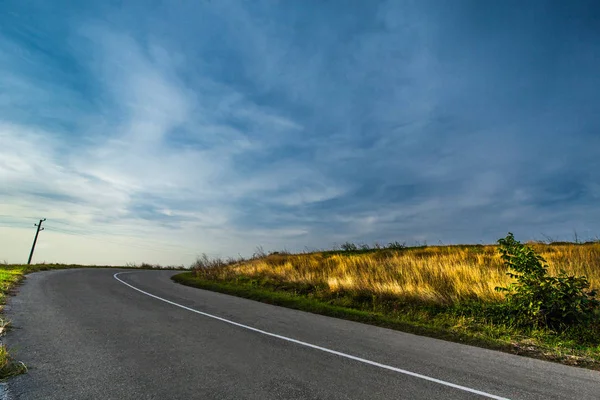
{"points": [[88, 334]]}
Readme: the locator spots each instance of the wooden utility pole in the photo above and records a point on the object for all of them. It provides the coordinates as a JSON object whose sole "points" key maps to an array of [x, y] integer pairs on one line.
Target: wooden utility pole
{"points": [[39, 228]]}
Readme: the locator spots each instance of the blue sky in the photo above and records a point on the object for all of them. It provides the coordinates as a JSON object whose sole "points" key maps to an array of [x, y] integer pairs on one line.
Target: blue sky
{"points": [[155, 131]]}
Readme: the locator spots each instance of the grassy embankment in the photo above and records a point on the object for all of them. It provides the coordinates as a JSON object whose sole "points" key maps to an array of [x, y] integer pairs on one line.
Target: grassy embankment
{"points": [[10, 276], [440, 291]]}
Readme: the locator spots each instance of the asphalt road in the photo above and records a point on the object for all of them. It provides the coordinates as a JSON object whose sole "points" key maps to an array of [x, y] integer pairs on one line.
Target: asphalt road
{"points": [[86, 335]]}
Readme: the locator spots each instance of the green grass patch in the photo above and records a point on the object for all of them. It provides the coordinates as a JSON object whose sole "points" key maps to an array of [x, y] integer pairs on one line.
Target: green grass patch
{"points": [[8, 366], [475, 323]]}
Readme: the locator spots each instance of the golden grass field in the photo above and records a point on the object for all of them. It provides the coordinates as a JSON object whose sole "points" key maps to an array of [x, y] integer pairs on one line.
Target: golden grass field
{"points": [[437, 274]]}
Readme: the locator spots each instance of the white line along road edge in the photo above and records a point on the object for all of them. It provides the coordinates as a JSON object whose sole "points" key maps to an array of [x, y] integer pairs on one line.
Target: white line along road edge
{"points": [[313, 346]]}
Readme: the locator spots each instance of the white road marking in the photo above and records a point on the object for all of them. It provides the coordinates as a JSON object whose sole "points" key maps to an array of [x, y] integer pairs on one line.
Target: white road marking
{"points": [[313, 346]]}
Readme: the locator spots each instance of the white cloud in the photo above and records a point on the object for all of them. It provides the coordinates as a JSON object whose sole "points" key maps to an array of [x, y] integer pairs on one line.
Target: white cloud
{"points": [[127, 159], [236, 129]]}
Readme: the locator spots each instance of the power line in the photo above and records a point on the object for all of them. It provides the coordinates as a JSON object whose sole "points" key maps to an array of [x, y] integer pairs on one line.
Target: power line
{"points": [[88, 232], [22, 218], [90, 236], [165, 247], [96, 231]]}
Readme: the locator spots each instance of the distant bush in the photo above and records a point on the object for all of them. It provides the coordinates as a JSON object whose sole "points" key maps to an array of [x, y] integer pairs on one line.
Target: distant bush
{"points": [[539, 299], [283, 252], [349, 246], [396, 245]]}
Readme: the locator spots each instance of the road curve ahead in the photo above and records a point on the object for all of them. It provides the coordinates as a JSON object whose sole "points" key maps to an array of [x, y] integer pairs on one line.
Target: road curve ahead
{"points": [[87, 334]]}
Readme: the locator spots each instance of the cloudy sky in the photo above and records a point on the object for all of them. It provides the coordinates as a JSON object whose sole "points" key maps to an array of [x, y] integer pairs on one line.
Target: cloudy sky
{"points": [[155, 131]]}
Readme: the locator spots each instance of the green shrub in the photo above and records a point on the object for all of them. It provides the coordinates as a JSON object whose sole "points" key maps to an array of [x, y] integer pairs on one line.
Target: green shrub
{"points": [[396, 245], [538, 299], [349, 246]]}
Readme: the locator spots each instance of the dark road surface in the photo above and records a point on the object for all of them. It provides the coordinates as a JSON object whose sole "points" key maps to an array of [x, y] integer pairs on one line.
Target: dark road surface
{"points": [[86, 335]]}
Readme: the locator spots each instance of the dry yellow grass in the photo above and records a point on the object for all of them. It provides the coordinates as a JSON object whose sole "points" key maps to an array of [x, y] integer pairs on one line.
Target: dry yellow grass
{"points": [[439, 274]]}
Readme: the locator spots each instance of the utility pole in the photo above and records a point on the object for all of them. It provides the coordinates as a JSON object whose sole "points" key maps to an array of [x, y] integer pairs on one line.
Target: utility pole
{"points": [[39, 228]]}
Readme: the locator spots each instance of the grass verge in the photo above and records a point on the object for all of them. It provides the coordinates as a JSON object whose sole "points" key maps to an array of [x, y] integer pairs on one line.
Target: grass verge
{"points": [[466, 322]]}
